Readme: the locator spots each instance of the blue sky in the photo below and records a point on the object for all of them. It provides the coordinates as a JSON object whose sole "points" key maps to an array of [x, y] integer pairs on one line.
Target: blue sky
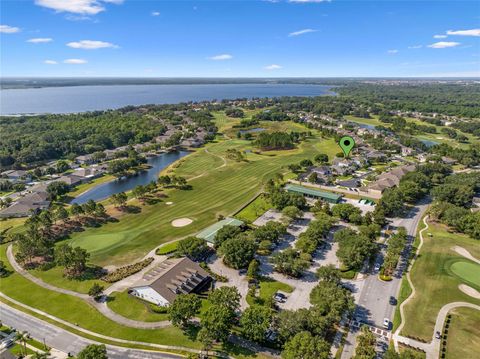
{"points": [[239, 38]]}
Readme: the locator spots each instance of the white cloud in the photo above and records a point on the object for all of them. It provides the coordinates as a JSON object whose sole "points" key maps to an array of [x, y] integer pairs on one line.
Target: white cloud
{"points": [[6, 29], [443, 44], [301, 32], [90, 44], [155, 13], [472, 32], [439, 36], [221, 57], [393, 51], [40, 40], [415, 47], [273, 67], [50, 62], [75, 61], [88, 7]]}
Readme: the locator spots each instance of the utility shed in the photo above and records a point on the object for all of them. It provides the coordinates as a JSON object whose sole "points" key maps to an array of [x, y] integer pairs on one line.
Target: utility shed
{"points": [[313, 193], [209, 233]]}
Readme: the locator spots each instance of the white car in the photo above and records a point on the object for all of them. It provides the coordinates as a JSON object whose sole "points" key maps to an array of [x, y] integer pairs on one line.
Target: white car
{"points": [[386, 323]]}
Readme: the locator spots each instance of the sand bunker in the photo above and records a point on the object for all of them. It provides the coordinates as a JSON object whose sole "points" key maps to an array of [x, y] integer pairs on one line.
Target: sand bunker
{"points": [[169, 203], [469, 291], [463, 252], [181, 222]]}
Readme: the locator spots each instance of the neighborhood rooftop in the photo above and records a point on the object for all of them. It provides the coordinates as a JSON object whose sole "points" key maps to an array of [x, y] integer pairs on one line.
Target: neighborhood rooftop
{"points": [[330, 197]]}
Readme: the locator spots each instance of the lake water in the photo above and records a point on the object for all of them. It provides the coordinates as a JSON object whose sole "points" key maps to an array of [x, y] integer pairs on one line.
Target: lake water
{"points": [[105, 190], [429, 143], [91, 98], [252, 130]]}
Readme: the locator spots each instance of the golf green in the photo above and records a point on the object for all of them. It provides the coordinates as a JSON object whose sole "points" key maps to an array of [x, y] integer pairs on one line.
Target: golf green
{"points": [[468, 271]]}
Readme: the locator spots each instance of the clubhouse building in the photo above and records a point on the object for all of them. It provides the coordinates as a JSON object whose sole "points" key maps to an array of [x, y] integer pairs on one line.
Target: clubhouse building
{"points": [[172, 277], [313, 193]]}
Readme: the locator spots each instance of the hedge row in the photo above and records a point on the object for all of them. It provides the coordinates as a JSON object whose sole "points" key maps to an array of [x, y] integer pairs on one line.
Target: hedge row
{"points": [[126, 271]]}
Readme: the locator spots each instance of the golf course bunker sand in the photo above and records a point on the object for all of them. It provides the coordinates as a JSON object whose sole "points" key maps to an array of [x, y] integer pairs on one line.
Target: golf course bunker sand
{"points": [[169, 203], [181, 222], [463, 252], [472, 292]]}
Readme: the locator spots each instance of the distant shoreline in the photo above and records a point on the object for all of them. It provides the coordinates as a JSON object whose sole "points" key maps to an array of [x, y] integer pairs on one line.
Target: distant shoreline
{"points": [[11, 83]]}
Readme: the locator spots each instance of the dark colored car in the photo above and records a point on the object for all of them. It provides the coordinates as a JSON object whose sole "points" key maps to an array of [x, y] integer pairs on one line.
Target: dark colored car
{"points": [[393, 300]]}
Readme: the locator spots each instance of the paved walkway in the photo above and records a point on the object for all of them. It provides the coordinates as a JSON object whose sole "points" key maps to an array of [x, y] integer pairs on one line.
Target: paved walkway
{"points": [[100, 306]]}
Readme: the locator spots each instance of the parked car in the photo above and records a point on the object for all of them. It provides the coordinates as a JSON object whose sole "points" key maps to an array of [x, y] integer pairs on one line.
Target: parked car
{"points": [[280, 297], [438, 335], [386, 323], [6, 343], [377, 267], [393, 300]]}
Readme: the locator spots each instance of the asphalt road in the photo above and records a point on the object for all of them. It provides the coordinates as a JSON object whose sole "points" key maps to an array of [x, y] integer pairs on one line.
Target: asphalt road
{"points": [[65, 341], [373, 305]]}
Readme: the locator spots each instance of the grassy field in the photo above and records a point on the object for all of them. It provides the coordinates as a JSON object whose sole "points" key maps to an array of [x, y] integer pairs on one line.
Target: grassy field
{"points": [[434, 280], [268, 287], [464, 333], [255, 209], [55, 277], [133, 308], [221, 190]]}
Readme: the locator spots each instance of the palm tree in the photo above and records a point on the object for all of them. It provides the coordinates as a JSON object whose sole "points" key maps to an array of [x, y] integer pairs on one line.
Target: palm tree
{"points": [[22, 338]]}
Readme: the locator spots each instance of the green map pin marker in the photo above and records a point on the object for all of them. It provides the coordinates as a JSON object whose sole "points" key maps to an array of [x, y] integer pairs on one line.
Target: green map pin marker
{"points": [[346, 144]]}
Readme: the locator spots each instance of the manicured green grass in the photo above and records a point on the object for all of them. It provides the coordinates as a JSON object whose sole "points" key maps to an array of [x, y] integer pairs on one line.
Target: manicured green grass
{"points": [[13, 225], [404, 293], [434, 282], [19, 350], [464, 333], [255, 209], [167, 248], [133, 308], [56, 277], [220, 191], [268, 287], [467, 270]]}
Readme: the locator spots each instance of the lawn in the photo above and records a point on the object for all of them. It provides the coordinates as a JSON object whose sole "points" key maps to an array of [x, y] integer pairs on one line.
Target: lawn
{"points": [[55, 277], [268, 287], [167, 248], [254, 209], [133, 308], [219, 191], [464, 331], [435, 281]]}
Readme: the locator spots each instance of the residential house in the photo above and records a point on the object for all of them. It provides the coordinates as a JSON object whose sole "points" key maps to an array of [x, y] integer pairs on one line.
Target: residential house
{"points": [[84, 159], [72, 180], [387, 180], [16, 176], [174, 276], [24, 206]]}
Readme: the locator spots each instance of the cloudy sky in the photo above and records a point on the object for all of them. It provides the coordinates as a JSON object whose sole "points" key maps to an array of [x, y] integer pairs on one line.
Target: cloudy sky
{"points": [[239, 38]]}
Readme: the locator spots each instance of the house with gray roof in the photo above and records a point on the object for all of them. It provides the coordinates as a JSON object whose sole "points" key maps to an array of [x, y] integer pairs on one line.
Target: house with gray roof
{"points": [[170, 278]]}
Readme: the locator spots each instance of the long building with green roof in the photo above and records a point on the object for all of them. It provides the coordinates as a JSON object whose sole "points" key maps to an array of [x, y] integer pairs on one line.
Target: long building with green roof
{"points": [[313, 193], [209, 233]]}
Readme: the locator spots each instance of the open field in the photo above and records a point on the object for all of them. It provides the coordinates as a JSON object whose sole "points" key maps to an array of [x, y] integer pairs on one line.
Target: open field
{"points": [[220, 190], [133, 308], [433, 278], [464, 332], [254, 209]]}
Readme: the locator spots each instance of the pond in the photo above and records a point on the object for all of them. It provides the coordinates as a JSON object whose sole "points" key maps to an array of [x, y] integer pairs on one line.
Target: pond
{"points": [[429, 143], [105, 190]]}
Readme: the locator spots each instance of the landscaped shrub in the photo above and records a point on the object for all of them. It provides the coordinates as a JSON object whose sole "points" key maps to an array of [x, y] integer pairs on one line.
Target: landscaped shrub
{"points": [[123, 272], [217, 277]]}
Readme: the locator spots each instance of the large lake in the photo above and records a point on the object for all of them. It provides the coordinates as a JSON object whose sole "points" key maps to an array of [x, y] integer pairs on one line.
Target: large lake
{"points": [[91, 98], [105, 190]]}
